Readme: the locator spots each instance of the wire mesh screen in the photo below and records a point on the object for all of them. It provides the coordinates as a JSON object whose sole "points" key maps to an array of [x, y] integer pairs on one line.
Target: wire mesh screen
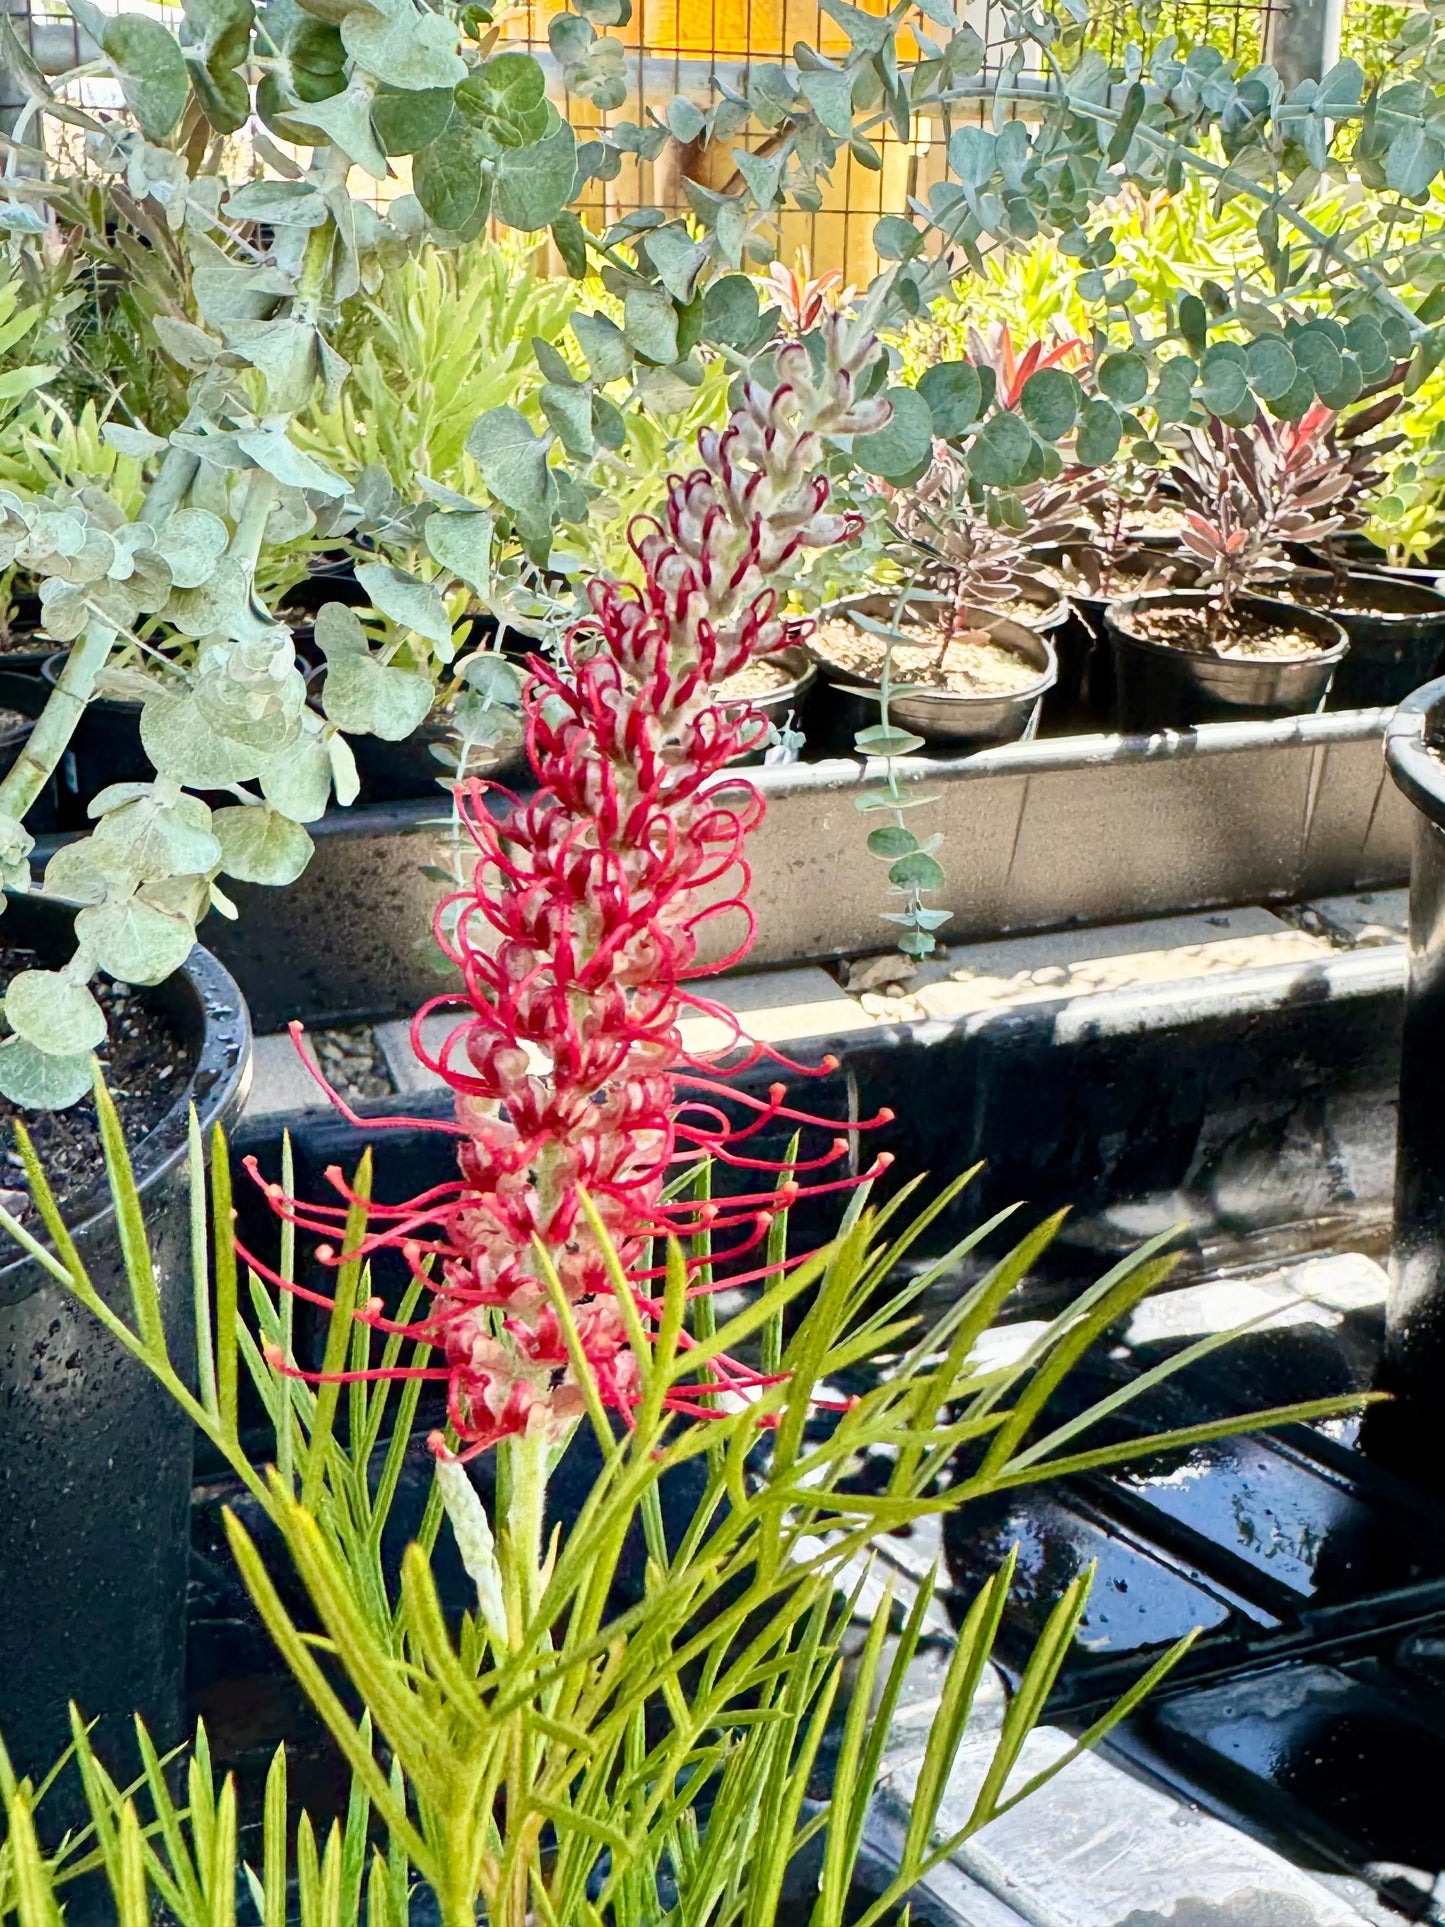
{"points": [[682, 46]]}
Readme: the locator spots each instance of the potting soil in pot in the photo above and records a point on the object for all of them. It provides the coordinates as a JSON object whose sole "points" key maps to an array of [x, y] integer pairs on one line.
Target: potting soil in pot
{"points": [[1162, 519], [1025, 609], [970, 664], [1360, 597], [759, 679], [145, 1061], [1243, 636]]}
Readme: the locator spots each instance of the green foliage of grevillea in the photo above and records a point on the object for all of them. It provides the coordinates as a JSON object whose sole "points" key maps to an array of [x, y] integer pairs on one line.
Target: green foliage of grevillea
{"points": [[556, 1754], [234, 281]]}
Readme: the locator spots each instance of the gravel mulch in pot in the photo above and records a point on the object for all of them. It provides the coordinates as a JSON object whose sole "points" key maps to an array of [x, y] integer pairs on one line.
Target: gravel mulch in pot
{"points": [[968, 664], [759, 678], [1241, 635]]}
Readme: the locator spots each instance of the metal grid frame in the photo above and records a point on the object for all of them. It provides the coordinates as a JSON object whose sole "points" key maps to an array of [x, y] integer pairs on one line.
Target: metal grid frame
{"points": [[681, 46]]}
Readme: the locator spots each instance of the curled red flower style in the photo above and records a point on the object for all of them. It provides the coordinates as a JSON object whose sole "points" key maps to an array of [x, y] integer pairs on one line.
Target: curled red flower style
{"points": [[578, 934]]}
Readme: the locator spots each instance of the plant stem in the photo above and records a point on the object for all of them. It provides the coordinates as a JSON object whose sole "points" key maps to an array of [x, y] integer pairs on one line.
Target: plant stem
{"points": [[525, 1465], [50, 738], [525, 1513], [311, 284], [260, 500], [177, 471], [885, 690]]}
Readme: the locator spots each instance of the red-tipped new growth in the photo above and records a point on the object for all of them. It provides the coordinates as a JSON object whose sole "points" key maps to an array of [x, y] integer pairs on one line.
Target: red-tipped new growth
{"points": [[580, 928]]}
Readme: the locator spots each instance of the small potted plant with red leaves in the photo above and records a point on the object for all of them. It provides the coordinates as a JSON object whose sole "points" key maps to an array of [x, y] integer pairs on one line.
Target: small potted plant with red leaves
{"points": [[1230, 648], [1396, 627], [958, 643], [1113, 549]]}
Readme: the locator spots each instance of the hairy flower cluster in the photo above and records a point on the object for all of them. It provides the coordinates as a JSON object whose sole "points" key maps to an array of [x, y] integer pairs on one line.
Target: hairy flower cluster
{"points": [[576, 1104]]}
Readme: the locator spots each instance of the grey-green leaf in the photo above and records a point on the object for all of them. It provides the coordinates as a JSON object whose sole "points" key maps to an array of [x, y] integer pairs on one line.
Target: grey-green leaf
{"points": [[999, 453], [38, 1081], [569, 413], [534, 183], [406, 122], [1413, 160], [650, 323], [830, 95], [1124, 378], [684, 121], [409, 50], [896, 239], [463, 544], [192, 541], [954, 393], [1101, 429], [53, 1012], [151, 69], [415, 605], [134, 940], [1270, 368], [449, 180], [271, 449], [1050, 401], [905, 439], [678, 260], [259, 845], [512, 459], [366, 698], [1174, 390], [730, 311], [338, 631], [298, 783], [182, 743], [609, 355]]}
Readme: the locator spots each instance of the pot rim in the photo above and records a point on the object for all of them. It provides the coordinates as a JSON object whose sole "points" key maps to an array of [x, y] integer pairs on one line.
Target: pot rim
{"points": [[1416, 772], [219, 1078], [1123, 606], [1400, 616], [1044, 682]]}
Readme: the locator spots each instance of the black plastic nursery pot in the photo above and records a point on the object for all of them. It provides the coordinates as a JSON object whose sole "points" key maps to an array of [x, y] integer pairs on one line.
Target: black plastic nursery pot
{"points": [[1083, 697], [942, 716], [106, 748], [332, 580], [22, 648], [1160, 686], [1396, 629], [783, 703], [43, 816], [95, 1458], [408, 772]]}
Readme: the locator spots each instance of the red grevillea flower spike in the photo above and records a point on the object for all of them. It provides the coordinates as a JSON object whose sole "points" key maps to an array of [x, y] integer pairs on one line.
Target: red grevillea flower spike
{"points": [[579, 932]]}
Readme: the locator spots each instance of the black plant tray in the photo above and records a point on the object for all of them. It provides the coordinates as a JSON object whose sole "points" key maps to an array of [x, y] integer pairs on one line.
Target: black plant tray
{"points": [[1037, 836]]}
